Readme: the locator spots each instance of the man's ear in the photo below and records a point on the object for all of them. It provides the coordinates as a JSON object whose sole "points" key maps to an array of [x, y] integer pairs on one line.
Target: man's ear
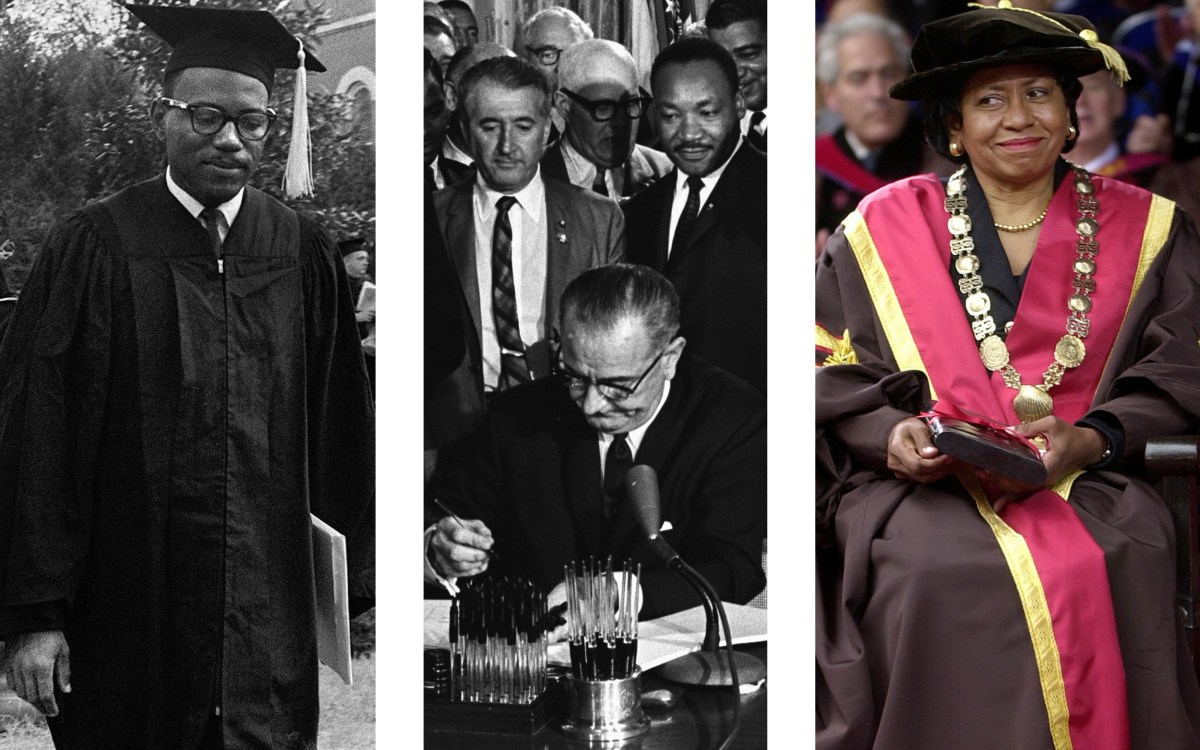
{"points": [[562, 104], [739, 102], [451, 94], [671, 356]]}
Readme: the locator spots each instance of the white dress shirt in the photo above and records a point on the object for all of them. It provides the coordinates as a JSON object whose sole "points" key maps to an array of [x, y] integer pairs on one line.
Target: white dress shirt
{"points": [[528, 220], [681, 195], [582, 172], [229, 209], [762, 126], [634, 438]]}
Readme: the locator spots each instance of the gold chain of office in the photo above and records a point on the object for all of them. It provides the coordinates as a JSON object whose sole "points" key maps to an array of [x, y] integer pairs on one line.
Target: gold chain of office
{"points": [[1032, 402]]}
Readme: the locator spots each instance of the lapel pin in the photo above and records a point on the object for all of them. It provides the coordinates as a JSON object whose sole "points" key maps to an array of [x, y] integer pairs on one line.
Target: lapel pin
{"points": [[562, 238]]}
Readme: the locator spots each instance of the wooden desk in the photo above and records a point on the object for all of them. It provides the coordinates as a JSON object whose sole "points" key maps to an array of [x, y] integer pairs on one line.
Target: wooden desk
{"points": [[698, 722]]}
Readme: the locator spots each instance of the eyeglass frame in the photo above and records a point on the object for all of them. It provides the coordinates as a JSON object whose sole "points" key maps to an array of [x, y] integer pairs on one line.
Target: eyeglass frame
{"points": [[542, 52], [574, 382], [642, 101], [227, 118]]}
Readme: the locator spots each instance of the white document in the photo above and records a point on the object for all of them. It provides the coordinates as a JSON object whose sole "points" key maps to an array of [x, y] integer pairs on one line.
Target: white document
{"points": [[333, 599]]}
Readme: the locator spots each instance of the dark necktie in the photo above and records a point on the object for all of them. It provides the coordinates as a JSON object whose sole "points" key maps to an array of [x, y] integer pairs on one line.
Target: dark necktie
{"points": [[598, 185], [513, 370], [617, 461], [757, 138], [212, 222], [691, 210]]}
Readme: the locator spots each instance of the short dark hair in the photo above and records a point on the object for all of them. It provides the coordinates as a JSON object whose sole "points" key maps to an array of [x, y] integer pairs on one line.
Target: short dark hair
{"points": [[696, 49], [723, 13], [948, 108], [456, 4], [606, 295], [433, 69], [511, 73]]}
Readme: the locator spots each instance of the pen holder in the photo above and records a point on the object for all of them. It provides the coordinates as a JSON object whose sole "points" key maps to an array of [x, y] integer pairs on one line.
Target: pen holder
{"points": [[604, 710]]}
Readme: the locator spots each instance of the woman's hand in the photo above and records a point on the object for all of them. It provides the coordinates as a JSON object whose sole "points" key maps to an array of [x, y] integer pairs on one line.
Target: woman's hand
{"points": [[911, 454], [1068, 449]]}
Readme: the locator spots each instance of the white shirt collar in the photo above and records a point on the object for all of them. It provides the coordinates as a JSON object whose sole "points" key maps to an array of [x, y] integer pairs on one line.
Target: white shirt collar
{"points": [[579, 169], [454, 153], [531, 198], [1108, 155], [636, 434], [861, 152], [229, 208]]}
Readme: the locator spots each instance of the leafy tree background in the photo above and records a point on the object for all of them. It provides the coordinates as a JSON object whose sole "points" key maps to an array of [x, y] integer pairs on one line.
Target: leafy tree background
{"points": [[77, 79]]}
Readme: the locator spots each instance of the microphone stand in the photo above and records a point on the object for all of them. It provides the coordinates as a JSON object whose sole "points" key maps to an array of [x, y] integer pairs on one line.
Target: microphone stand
{"points": [[704, 667]]}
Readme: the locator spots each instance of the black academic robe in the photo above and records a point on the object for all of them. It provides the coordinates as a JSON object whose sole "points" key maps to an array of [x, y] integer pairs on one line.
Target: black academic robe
{"points": [[532, 474], [165, 430]]}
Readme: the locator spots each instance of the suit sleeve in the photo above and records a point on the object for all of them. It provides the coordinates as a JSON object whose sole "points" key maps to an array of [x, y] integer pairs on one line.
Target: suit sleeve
{"points": [[615, 232], [54, 381], [726, 526]]}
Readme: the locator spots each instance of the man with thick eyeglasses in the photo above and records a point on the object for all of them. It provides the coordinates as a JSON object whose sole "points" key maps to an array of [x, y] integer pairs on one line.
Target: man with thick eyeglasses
{"points": [[183, 384], [602, 105], [544, 37], [542, 480]]}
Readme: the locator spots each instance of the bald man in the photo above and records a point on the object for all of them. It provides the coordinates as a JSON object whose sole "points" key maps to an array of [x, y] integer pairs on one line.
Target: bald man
{"points": [[544, 37], [599, 100], [454, 163]]}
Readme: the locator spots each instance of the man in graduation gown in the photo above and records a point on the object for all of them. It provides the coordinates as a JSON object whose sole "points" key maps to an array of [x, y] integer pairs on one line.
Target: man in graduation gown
{"points": [[543, 477], [182, 383]]}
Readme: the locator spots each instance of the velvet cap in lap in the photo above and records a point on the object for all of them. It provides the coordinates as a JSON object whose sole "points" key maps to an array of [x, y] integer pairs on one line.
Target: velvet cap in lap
{"points": [[949, 50], [250, 42]]}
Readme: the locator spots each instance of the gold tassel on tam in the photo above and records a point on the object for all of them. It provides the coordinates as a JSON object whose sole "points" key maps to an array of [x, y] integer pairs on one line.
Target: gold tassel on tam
{"points": [[297, 174]]}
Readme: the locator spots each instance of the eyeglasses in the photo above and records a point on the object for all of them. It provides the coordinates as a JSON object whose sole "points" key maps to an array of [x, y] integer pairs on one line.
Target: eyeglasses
{"points": [[251, 126], [603, 110], [545, 55], [577, 384]]}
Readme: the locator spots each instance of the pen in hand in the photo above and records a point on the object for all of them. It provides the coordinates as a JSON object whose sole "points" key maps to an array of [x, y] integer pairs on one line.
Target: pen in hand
{"points": [[491, 552]]}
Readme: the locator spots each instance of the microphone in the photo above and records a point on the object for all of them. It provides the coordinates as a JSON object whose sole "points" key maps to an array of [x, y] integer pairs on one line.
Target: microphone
{"points": [[703, 667]]}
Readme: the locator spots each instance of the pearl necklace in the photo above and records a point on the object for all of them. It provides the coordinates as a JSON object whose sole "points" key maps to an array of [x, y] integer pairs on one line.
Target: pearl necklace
{"points": [[1022, 227], [1032, 402]]}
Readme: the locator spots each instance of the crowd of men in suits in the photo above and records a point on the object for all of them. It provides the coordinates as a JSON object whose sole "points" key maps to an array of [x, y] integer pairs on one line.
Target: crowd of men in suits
{"points": [[551, 170]]}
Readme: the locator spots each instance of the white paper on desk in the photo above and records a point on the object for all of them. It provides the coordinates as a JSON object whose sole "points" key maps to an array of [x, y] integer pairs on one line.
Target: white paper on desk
{"points": [[333, 599], [673, 636], [437, 623]]}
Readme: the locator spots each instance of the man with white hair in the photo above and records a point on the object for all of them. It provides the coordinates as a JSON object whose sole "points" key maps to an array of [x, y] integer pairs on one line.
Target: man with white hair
{"points": [[544, 37], [881, 139], [599, 99]]}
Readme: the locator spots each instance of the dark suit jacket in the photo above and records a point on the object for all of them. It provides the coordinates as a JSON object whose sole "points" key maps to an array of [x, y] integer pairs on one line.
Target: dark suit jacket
{"points": [[585, 231], [721, 274], [532, 474], [644, 167]]}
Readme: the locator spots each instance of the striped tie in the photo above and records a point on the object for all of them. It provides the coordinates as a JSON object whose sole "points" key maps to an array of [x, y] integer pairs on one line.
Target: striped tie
{"points": [[513, 370]]}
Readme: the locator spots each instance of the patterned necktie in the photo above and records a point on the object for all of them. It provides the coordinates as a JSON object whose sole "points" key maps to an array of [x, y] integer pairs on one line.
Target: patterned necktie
{"points": [[757, 136], [617, 461], [212, 222], [598, 185], [513, 370], [691, 210]]}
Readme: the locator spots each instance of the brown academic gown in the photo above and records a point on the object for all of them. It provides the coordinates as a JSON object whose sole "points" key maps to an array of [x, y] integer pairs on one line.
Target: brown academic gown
{"points": [[921, 639], [165, 430]]}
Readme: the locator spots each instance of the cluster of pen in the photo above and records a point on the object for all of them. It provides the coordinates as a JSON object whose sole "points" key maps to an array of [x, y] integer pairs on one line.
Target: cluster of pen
{"points": [[602, 617], [498, 641]]}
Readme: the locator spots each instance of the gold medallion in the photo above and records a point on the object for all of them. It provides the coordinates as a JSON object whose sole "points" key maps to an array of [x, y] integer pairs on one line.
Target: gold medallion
{"points": [[993, 352], [1069, 351], [1031, 403]]}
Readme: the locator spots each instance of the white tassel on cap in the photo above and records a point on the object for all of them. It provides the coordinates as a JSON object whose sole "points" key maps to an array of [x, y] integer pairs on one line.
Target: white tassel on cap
{"points": [[297, 174]]}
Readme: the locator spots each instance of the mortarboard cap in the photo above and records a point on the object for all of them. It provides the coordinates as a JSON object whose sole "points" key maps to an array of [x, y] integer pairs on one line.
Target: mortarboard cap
{"points": [[250, 42], [351, 245], [948, 50]]}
